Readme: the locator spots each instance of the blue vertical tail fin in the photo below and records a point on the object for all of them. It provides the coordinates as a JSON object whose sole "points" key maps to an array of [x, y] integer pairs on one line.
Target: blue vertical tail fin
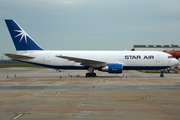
{"points": [[22, 41]]}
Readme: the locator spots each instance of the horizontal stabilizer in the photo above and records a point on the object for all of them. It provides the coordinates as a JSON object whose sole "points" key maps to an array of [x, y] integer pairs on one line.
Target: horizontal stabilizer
{"points": [[84, 62], [21, 57]]}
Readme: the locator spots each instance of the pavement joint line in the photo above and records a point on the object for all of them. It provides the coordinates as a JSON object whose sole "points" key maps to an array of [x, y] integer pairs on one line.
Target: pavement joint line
{"points": [[135, 82], [97, 86], [172, 82], [137, 75], [97, 83], [80, 104], [158, 104], [149, 115]]}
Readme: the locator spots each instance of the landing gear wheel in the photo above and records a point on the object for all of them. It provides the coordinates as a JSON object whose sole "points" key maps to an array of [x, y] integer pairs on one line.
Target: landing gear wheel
{"points": [[93, 75], [161, 75], [88, 75]]}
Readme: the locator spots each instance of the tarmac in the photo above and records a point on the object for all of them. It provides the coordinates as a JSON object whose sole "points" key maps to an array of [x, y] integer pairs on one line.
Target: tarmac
{"points": [[43, 94]]}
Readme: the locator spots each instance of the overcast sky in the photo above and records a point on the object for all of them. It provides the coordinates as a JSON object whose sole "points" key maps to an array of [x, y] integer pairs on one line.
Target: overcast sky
{"points": [[92, 24]]}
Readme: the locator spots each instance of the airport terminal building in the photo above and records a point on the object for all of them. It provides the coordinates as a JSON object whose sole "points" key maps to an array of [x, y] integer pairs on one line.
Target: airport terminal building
{"points": [[156, 48]]}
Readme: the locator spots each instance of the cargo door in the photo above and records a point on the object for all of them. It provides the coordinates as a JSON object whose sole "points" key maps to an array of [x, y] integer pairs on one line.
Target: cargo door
{"points": [[158, 59]]}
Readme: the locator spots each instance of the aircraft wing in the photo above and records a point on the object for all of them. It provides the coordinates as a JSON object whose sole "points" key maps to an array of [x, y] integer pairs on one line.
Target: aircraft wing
{"points": [[21, 57], [85, 62]]}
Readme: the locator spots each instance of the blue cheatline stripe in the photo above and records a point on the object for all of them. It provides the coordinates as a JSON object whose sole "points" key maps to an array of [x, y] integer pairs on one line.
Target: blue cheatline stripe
{"points": [[144, 67], [86, 67]]}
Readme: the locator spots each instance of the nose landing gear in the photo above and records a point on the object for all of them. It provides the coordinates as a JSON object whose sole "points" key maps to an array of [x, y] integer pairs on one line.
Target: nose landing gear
{"points": [[161, 75]]}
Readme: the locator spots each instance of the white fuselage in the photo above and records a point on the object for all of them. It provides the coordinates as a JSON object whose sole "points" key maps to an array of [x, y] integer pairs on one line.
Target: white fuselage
{"points": [[131, 60]]}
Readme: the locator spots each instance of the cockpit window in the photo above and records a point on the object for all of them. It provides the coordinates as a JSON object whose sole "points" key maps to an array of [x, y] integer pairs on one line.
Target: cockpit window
{"points": [[170, 57]]}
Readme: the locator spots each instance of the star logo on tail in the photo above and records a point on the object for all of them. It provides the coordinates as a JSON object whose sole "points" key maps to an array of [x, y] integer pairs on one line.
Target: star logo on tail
{"points": [[22, 33]]}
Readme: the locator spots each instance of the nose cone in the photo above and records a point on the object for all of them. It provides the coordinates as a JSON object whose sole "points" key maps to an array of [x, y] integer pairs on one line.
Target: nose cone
{"points": [[174, 62]]}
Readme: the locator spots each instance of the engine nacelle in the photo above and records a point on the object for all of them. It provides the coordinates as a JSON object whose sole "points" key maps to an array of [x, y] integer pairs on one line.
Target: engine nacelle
{"points": [[113, 68]]}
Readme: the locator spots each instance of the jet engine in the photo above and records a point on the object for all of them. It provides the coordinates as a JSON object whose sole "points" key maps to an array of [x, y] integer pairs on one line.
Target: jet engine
{"points": [[113, 68]]}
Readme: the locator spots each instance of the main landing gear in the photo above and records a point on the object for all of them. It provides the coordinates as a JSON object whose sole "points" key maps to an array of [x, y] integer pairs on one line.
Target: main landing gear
{"points": [[91, 72]]}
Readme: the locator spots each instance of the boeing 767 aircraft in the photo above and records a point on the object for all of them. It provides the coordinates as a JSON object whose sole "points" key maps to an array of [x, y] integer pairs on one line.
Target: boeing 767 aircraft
{"points": [[108, 61]]}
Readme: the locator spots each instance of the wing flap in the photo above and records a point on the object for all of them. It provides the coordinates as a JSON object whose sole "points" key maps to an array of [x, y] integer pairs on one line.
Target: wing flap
{"points": [[21, 57], [85, 62]]}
